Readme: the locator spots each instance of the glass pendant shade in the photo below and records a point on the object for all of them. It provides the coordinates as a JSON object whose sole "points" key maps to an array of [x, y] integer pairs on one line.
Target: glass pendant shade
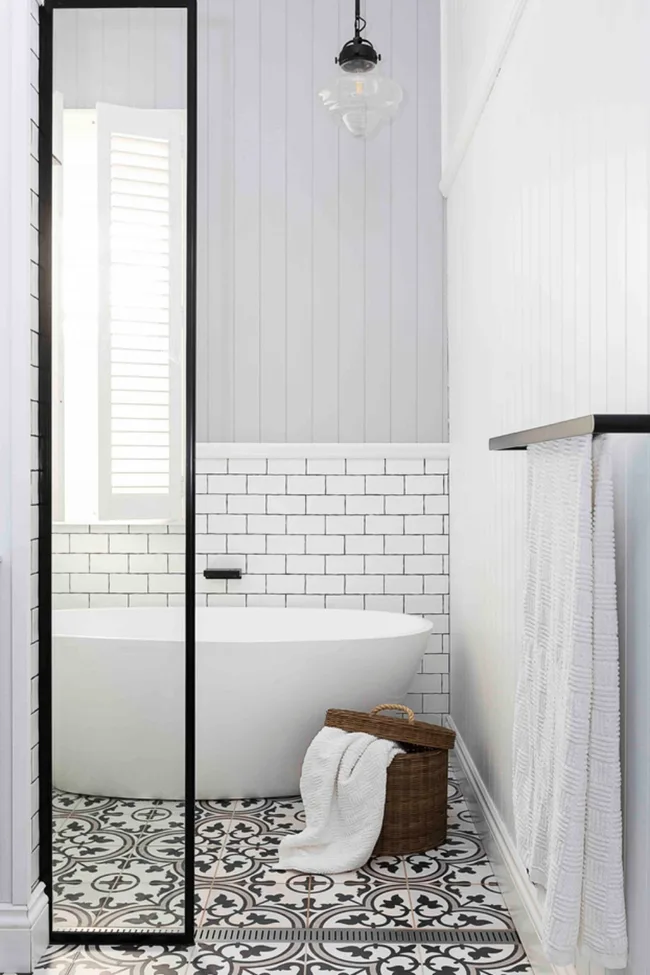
{"points": [[362, 102]]}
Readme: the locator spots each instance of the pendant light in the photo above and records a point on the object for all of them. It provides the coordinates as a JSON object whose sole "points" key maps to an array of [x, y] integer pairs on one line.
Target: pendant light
{"points": [[360, 97]]}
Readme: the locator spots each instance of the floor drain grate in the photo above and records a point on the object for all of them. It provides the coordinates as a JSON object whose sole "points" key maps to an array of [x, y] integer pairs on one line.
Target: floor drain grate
{"points": [[385, 936]]}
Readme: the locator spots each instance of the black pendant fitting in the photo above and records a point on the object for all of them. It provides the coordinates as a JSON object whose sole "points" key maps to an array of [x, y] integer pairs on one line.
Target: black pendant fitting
{"points": [[358, 55]]}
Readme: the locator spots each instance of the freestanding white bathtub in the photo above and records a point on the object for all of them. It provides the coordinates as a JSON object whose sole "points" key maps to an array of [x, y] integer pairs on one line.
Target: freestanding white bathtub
{"points": [[265, 678]]}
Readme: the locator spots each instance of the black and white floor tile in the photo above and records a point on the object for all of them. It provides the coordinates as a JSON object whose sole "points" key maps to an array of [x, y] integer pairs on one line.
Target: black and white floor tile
{"points": [[289, 958], [119, 864]]}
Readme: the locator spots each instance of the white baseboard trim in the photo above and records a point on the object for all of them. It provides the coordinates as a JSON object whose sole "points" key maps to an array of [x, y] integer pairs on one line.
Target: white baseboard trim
{"points": [[24, 933], [519, 892]]}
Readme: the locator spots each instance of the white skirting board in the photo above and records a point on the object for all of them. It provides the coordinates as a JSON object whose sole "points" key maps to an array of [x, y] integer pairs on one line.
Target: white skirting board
{"points": [[519, 893], [24, 933]]}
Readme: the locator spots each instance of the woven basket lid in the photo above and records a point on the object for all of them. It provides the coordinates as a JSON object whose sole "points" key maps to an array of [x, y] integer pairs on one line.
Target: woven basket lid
{"points": [[409, 732]]}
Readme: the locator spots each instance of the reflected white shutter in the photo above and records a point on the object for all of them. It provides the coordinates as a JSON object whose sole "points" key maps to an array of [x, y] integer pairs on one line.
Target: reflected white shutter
{"points": [[141, 312]]}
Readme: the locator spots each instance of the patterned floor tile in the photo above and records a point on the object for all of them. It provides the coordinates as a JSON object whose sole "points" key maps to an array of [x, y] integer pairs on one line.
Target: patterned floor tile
{"points": [[83, 837], [422, 868], [145, 882], [119, 863], [378, 871], [351, 906], [261, 958], [63, 802], [273, 906], [454, 793], [138, 816], [159, 846], [86, 883], [365, 959], [460, 818], [216, 807], [239, 868], [474, 960], [210, 836], [57, 960], [122, 861], [153, 960], [245, 838], [289, 958], [461, 847], [471, 908]]}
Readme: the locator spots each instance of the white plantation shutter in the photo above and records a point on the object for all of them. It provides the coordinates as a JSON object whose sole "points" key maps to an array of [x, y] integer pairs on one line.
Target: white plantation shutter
{"points": [[141, 187]]}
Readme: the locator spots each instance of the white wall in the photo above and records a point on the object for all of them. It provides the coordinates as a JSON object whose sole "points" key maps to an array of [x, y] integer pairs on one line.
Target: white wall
{"points": [[320, 256], [548, 319], [23, 906], [472, 33]]}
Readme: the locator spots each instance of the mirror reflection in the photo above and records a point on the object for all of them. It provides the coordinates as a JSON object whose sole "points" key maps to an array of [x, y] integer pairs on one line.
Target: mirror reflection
{"points": [[118, 532]]}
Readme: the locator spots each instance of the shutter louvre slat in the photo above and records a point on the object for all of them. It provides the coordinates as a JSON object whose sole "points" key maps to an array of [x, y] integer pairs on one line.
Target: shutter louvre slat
{"points": [[139, 315]]}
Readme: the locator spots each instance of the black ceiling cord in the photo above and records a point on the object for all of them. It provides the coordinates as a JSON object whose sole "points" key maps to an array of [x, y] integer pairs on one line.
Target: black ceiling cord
{"points": [[358, 55], [360, 22]]}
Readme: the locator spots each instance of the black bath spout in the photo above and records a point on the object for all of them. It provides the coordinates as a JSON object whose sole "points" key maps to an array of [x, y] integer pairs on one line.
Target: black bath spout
{"points": [[222, 573]]}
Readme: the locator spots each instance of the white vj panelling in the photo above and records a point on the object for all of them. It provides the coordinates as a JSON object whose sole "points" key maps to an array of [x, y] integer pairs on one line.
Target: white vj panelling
{"points": [[326, 316], [548, 318], [35, 473], [19, 256], [319, 265], [471, 33]]}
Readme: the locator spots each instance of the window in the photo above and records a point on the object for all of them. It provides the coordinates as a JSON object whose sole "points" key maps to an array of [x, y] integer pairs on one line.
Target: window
{"points": [[119, 365]]}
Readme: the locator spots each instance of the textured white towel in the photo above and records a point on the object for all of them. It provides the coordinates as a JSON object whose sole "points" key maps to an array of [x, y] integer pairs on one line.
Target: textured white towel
{"points": [[566, 787], [343, 786], [603, 935]]}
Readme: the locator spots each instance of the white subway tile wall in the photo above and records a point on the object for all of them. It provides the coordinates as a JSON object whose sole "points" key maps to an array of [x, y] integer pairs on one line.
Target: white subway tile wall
{"points": [[355, 533]]}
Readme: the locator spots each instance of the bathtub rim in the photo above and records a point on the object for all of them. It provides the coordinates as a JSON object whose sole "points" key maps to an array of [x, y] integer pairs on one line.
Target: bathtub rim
{"points": [[418, 625]]}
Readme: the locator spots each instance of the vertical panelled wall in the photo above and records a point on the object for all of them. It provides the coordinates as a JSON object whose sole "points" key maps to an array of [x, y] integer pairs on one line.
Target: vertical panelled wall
{"points": [[548, 319], [320, 255], [23, 907], [34, 257], [472, 32]]}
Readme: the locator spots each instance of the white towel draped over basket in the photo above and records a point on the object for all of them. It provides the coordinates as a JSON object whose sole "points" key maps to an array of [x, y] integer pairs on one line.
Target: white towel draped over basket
{"points": [[567, 777], [343, 786]]}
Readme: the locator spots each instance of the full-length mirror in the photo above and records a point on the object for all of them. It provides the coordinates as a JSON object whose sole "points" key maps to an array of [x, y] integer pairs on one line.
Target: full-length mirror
{"points": [[119, 401]]}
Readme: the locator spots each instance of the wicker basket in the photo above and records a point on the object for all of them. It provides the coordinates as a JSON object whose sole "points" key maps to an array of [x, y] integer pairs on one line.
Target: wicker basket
{"points": [[415, 816]]}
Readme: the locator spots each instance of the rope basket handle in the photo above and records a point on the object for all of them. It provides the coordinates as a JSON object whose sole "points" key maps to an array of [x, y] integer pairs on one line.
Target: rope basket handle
{"points": [[395, 707]]}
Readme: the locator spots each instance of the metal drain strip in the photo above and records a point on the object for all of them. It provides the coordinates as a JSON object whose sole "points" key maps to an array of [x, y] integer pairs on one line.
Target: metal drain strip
{"points": [[383, 936], [113, 930]]}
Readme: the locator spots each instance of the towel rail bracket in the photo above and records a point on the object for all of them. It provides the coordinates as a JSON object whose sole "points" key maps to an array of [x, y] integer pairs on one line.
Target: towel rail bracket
{"points": [[591, 425]]}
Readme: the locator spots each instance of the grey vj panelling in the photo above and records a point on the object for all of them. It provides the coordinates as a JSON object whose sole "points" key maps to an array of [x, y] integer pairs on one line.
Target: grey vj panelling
{"points": [[319, 299]]}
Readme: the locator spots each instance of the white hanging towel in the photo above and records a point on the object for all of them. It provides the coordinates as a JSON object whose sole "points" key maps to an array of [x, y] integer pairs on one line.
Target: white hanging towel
{"points": [[567, 778], [343, 786]]}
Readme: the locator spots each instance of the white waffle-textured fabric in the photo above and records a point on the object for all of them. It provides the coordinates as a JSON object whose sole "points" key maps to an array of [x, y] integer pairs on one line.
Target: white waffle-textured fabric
{"points": [[567, 786], [343, 787]]}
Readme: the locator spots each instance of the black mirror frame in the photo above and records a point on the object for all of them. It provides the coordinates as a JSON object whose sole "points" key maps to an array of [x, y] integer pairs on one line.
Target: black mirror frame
{"points": [[118, 937]]}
